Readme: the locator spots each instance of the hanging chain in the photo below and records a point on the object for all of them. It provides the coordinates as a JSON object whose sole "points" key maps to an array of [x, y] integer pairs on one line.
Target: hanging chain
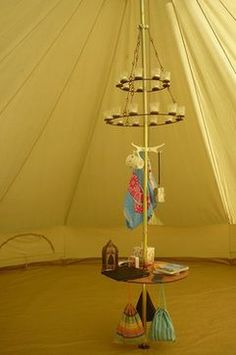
{"points": [[131, 91], [131, 87], [155, 50], [161, 66]]}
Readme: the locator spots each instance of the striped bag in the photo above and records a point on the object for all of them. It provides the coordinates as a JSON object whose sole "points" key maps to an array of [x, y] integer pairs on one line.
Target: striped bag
{"points": [[162, 328], [130, 330]]}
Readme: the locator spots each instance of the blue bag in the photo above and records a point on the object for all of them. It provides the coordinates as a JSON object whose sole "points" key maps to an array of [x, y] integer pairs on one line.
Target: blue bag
{"points": [[162, 328]]}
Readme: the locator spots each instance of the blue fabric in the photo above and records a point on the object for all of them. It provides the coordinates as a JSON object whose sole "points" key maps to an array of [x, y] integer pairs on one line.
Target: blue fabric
{"points": [[132, 205], [162, 328]]}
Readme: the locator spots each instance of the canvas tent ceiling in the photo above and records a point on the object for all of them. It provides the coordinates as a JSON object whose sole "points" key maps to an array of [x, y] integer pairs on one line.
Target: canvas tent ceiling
{"points": [[59, 61]]}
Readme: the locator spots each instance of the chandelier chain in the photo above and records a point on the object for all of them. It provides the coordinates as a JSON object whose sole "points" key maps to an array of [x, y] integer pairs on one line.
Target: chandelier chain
{"points": [[131, 91], [155, 50]]}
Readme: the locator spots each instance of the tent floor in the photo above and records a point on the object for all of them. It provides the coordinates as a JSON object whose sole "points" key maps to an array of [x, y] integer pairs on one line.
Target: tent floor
{"points": [[73, 309]]}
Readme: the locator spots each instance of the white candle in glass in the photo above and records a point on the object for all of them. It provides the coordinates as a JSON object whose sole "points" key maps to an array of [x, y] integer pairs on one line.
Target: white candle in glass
{"points": [[133, 109], [154, 107], [181, 111], [140, 89], [124, 77], [126, 87], [156, 73], [136, 122], [153, 121], [120, 122], [118, 84], [172, 108], [116, 112], [156, 87], [108, 115], [138, 74], [150, 255], [170, 120], [165, 77]]}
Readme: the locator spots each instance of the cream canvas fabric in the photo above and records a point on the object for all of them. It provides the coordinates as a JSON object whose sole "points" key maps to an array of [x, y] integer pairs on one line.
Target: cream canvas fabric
{"points": [[62, 166]]}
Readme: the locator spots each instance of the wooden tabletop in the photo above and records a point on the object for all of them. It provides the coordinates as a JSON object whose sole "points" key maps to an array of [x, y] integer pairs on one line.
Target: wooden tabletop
{"points": [[160, 278]]}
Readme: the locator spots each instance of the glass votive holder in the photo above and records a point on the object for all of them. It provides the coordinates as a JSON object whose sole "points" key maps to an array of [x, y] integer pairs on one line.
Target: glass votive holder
{"points": [[150, 255], [120, 123], [154, 108], [172, 109], [136, 122], [157, 86], [156, 73], [181, 111], [139, 89], [133, 109], [153, 121], [138, 74], [124, 78], [108, 116], [116, 112], [165, 77]]}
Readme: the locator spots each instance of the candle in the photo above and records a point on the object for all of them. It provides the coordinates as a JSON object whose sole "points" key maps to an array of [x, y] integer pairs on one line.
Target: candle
{"points": [[170, 120], [119, 85], [154, 108], [150, 255], [126, 87], [172, 108], [156, 73], [136, 122], [138, 73], [153, 121], [124, 78], [133, 109], [165, 77], [140, 89], [138, 251], [157, 87], [108, 116], [181, 111], [116, 112]]}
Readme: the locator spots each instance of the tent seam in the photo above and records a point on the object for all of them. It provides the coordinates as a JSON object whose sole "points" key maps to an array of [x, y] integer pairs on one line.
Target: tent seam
{"points": [[50, 115], [227, 10], [41, 59], [212, 155], [99, 106], [216, 36], [30, 32]]}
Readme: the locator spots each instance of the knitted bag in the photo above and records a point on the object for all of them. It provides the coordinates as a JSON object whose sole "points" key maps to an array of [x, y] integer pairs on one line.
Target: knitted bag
{"points": [[162, 328]]}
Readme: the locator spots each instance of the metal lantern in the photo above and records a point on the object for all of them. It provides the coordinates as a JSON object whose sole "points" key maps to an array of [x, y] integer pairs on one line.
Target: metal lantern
{"points": [[109, 256]]}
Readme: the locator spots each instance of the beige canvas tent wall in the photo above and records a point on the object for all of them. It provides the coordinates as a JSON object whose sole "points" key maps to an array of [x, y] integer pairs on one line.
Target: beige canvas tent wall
{"points": [[62, 169]]}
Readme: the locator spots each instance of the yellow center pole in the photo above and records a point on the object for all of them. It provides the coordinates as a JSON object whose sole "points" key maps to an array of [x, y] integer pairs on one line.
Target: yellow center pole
{"points": [[143, 29]]}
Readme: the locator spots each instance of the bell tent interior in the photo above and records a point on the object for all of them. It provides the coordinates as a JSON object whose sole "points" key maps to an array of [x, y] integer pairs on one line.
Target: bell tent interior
{"points": [[64, 179]]}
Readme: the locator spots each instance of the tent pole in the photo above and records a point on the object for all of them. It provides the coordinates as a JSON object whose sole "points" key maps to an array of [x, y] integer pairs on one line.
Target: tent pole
{"points": [[143, 29]]}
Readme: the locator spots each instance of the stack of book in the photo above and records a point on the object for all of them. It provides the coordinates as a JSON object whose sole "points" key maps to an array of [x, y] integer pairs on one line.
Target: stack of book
{"points": [[169, 268]]}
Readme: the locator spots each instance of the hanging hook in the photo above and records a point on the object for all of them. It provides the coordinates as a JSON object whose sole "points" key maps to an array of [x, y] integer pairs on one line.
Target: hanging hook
{"points": [[149, 149]]}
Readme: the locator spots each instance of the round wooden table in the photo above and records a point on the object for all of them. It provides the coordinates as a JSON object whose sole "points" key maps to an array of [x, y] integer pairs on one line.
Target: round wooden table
{"points": [[153, 279]]}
